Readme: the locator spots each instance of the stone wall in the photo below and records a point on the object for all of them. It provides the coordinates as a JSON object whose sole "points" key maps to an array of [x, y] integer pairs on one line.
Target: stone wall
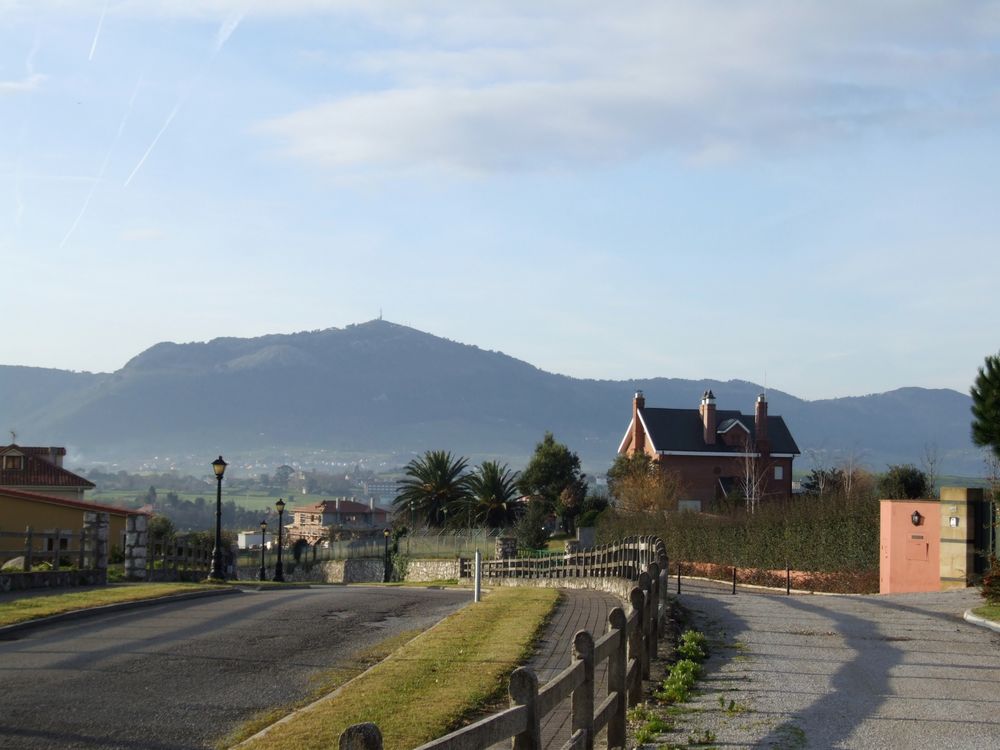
{"points": [[51, 579], [354, 570], [423, 571]]}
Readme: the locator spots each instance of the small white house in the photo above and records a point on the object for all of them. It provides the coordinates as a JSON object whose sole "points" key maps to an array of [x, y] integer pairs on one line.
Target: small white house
{"points": [[251, 539]]}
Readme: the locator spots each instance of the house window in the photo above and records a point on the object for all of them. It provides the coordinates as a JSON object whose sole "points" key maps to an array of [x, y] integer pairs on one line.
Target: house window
{"points": [[779, 472], [13, 462]]}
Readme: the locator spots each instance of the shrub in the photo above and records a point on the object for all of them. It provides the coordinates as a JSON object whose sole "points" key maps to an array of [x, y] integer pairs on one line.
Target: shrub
{"points": [[830, 535], [991, 582], [693, 646], [677, 686]]}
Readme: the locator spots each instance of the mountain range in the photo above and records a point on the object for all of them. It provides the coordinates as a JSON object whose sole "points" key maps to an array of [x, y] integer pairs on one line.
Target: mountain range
{"points": [[384, 388]]}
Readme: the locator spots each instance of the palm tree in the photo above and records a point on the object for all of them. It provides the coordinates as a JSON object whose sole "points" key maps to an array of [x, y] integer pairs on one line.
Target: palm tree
{"points": [[493, 494], [434, 484]]}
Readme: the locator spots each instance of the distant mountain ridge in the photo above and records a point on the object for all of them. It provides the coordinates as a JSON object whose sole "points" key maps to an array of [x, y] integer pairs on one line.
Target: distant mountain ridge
{"points": [[382, 387]]}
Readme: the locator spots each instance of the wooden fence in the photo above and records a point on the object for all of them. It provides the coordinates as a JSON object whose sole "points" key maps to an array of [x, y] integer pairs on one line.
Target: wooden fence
{"points": [[628, 646], [57, 547], [178, 558]]}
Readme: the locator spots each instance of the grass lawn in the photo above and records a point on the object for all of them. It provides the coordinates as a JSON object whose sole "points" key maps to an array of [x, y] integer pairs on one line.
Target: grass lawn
{"points": [[989, 611], [33, 607], [425, 688]]}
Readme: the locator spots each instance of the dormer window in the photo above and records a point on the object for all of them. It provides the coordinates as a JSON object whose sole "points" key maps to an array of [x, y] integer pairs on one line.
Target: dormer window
{"points": [[13, 463]]}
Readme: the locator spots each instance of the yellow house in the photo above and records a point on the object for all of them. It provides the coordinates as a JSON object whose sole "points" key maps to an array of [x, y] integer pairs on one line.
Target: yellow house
{"points": [[19, 510], [34, 469]]}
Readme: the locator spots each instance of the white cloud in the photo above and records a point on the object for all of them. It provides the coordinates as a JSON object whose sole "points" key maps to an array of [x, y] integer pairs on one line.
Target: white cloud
{"points": [[500, 87], [28, 83]]}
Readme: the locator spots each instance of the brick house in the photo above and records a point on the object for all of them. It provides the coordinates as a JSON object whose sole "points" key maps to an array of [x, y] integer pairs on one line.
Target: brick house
{"points": [[314, 522], [40, 470], [716, 454]]}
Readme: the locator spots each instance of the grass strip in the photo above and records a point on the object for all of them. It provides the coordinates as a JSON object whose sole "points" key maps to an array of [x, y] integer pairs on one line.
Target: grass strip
{"points": [[426, 688], [34, 607], [989, 611], [321, 684]]}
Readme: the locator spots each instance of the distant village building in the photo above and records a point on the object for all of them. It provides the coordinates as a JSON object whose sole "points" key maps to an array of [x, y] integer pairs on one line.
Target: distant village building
{"points": [[314, 523], [712, 451], [382, 490]]}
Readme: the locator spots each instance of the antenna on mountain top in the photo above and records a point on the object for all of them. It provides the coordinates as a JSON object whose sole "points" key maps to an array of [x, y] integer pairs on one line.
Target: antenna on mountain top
{"points": [[380, 313]]}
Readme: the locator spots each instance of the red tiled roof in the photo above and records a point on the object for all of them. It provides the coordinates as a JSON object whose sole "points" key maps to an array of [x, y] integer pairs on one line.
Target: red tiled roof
{"points": [[37, 497], [37, 471]]}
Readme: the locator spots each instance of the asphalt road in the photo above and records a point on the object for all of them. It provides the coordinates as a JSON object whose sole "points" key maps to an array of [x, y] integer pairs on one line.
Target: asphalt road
{"points": [[903, 672], [181, 675]]}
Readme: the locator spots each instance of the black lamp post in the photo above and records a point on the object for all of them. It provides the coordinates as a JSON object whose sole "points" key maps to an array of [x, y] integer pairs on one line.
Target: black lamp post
{"points": [[385, 576], [279, 571], [218, 574], [263, 533]]}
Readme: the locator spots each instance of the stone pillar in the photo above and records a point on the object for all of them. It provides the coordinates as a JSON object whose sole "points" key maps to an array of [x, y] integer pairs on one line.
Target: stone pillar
{"points": [[958, 535], [506, 548], [95, 551], [136, 543]]}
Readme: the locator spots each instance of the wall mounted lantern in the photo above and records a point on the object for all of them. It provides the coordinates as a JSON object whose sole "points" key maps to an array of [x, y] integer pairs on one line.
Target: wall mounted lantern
{"points": [[916, 518]]}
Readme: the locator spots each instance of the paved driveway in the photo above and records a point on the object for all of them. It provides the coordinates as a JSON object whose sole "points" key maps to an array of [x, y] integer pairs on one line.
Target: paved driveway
{"points": [[177, 676], [902, 671]]}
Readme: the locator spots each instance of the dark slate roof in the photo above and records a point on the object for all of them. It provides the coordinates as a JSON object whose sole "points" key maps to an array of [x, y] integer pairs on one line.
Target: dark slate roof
{"points": [[37, 471], [681, 430]]}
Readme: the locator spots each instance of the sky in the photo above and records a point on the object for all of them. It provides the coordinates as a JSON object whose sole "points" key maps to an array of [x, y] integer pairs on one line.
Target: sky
{"points": [[803, 194]]}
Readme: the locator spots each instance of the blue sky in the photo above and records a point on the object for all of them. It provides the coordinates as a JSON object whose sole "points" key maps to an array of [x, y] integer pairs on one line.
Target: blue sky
{"points": [[806, 190]]}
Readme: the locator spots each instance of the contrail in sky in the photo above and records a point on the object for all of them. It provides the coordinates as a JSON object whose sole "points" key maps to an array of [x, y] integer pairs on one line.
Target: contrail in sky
{"points": [[97, 34], [226, 30], [221, 37], [104, 165]]}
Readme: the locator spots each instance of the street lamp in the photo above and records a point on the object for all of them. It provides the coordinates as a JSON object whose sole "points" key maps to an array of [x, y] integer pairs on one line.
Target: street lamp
{"points": [[218, 574], [263, 533], [279, 571], [385, 576]]}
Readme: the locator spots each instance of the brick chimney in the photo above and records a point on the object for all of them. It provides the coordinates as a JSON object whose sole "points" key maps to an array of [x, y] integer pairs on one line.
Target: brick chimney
{"points": [[760, 418], [760, 425], [707, 411], [638, 434]]}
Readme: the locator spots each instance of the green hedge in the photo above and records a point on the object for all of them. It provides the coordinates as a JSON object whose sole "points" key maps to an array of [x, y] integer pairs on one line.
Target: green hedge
{"points": [[829, 535]]}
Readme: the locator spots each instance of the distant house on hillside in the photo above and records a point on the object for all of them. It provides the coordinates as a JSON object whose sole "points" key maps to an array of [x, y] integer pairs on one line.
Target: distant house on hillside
{"points": [[40, 470], [716, 454], [313, 522]]}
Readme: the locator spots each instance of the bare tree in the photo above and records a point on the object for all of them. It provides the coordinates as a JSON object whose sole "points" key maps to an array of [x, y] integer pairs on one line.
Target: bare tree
{"points": [[753, 478], [930, 462]]}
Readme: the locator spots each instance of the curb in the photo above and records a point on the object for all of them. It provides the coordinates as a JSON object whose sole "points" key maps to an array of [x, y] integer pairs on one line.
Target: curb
{"points": [[982, 622], [79, 614]]}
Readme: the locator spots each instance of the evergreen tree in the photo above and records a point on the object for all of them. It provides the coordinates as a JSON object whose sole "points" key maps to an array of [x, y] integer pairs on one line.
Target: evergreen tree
{"points": [[986, 406]]}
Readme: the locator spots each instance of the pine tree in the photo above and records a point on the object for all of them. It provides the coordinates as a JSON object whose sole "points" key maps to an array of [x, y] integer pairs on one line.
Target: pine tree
{"points": [[986, 406]]}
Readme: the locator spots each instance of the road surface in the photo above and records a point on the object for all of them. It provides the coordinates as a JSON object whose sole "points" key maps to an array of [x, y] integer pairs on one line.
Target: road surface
{"points": [[180, 675]]}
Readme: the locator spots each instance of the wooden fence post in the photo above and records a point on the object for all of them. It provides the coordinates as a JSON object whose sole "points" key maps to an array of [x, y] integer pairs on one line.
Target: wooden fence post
{"points": [[583, 696], [361, 737], [29, 546], [616, 678], [637, 600], [523, 691]]}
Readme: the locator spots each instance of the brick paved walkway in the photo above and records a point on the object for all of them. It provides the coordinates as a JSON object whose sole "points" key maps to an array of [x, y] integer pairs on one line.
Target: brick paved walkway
{"points": [[579, 610]]}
